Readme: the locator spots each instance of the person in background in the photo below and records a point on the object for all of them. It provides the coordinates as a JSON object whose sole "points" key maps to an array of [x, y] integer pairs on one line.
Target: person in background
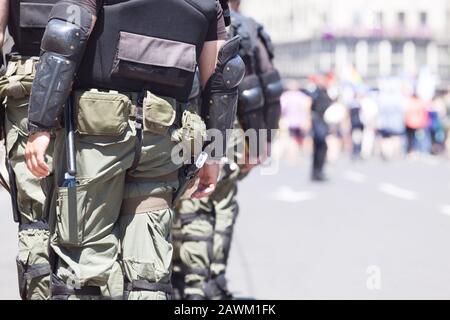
{"points": [[296, 109], [369, 114], [356, 125], [437, 115], [321, 101], [416, 120]]}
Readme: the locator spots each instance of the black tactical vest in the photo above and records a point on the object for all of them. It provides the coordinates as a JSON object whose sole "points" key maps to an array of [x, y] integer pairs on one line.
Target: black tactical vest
{"points": [[147, 44], [27, 22]]}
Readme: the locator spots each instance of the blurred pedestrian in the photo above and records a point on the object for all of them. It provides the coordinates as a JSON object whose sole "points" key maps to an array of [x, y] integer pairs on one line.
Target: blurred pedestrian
{"points": [[296, 108], [321, 101], [369, 115], [391, 117], [356, 125], [416, 121], [437, 116]]}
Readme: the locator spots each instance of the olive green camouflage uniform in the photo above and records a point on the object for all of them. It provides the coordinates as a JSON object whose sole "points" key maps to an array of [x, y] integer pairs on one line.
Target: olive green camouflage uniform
{"points": [[136, 231], [202, 234], [32, 259]]}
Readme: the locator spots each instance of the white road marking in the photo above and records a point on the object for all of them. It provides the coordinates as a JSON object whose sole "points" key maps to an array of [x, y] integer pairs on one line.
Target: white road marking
{"points": [[287, 194], [397, 192], [354, 176], [445, 210]]}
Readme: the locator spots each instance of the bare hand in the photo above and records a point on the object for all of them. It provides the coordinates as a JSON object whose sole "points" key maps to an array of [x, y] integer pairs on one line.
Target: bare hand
{"points": [[208, 176], [37, 146]]}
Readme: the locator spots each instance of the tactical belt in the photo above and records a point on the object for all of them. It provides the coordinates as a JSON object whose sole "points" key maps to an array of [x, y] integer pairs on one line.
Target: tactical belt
{"points": [[197, 271], [39, 225], [63, 290], [37, 270], [173, 176], [144, 285], [144, 204], [216, 288], [226, 242], [187, 218]]}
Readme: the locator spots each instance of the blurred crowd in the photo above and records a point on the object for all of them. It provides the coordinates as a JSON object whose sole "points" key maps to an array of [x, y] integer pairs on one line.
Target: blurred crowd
{"points": [[397, 117]]}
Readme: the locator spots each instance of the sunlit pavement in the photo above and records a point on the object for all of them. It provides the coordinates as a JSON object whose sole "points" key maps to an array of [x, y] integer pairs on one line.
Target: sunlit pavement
{"points": [[376, 230]]}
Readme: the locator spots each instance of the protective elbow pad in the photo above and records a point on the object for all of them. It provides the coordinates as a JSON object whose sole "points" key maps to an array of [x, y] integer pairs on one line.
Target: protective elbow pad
{"points": [[63, 46], [220, 95], [251, 104], [273, 88]]}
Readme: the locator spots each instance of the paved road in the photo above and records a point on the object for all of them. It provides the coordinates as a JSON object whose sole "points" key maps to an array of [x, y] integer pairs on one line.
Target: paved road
{"points": [[375, 231]]}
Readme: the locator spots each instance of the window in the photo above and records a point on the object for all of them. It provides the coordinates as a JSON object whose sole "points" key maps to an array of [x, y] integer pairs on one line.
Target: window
{"points": [[423, 18]]}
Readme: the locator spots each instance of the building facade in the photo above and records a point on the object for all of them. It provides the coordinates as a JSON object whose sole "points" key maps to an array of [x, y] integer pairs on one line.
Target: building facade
{"points": [[377, 37]]}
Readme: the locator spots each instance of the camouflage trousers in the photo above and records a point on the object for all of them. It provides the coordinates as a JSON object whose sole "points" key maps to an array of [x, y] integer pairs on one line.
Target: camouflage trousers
{"points": [[203, 232], [119, 216], [32, 259]]}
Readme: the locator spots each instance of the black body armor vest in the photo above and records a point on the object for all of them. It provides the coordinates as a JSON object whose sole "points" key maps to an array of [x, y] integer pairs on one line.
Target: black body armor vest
{"points": [[150, 45], [27, 22]]}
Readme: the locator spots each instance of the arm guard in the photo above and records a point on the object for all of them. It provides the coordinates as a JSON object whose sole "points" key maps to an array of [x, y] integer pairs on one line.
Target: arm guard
{"points": [[273, 88], [63, 47], [251, 104], [220, 95]]}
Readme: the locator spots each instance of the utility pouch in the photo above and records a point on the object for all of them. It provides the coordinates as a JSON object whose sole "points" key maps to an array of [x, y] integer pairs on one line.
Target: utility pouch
{"points": [[71, 206], [192, 132], [159, 114], [18, 78], [102, 113]]}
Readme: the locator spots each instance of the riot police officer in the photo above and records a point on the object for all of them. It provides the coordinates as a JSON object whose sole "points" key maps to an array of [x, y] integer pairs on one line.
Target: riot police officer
{"points": [[26, 22], [205, 226], [129, 65]]}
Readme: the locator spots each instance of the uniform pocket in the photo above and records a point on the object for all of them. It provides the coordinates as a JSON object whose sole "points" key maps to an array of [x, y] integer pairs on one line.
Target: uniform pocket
{"points": [[168, 66], [102, 113], [192, 132], [159, 114], [18, 79], [17, 112], [70, 215]]}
